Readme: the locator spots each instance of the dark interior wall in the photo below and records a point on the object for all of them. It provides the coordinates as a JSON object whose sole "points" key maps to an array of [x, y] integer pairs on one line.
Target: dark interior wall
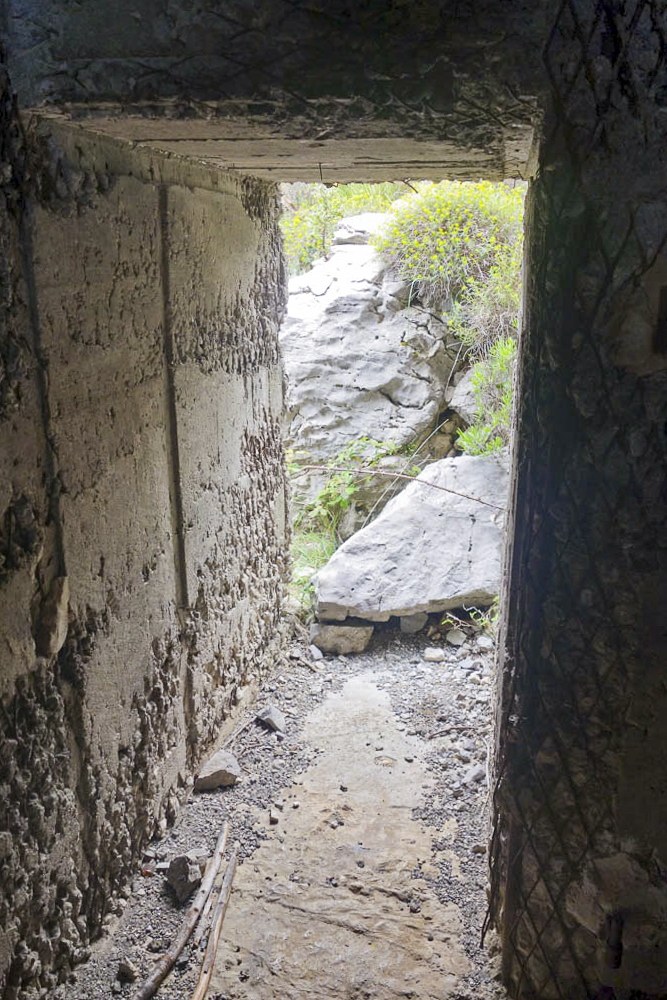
{"points": [[454, 83], [411, 62], [580, 848], [142, 511]]}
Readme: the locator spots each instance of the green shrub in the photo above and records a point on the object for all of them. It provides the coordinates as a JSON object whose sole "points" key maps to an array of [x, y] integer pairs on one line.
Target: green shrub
{"points": [[450, 236], [325, 510], [311, 213], [492, 383], [310, 551], [488, 310]]}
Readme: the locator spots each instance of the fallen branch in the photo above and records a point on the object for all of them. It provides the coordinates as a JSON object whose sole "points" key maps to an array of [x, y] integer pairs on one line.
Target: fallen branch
{"points": [[237, 732], [448, 729], [394, 475], [166, 963], [216, 927], [202, 925], [307, 663]]}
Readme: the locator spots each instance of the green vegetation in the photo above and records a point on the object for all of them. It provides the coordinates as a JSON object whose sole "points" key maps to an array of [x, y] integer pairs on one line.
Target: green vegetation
{"points": [[317, 521], [460, 245], [311, 213], [448, 237], [492, 383], [311, 550], [479, 619]]}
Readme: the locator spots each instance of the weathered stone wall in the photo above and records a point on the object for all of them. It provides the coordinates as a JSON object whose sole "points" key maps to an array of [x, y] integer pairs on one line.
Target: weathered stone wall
{"points": [[142, 510], [580, 846]]}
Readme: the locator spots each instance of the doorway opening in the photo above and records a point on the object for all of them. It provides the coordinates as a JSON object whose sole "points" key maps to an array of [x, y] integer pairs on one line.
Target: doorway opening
{"points": [[400, 344]]}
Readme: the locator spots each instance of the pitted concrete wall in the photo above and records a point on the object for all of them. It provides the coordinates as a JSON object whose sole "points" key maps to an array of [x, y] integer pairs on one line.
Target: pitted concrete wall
{"points": [[580, 845], [142, 513]]}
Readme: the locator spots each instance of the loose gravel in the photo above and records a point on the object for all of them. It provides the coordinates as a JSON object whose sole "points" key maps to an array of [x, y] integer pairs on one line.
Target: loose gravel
{"points": [[446, 702]]}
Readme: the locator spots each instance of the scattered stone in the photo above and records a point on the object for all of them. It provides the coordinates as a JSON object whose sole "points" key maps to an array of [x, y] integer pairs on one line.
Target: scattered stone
{"points": [[456, 637], [434, 654], [341, 638], [296, 804], [315, 652], [185, 873], [221, 770], [479, 849], [409, 759], [411, 624], [475, 773], [279, 804], [484, 642], [127, 971], [272, 717], [274, 817]]}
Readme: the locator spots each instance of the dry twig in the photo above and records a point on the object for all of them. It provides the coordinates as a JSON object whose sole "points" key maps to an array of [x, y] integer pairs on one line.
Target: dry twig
{"points": [[166, 963], [216, 927], [396, 475]]}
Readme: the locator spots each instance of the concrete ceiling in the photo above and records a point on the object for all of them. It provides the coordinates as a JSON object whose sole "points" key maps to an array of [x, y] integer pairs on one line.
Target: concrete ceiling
{"points": [[264, 150]]}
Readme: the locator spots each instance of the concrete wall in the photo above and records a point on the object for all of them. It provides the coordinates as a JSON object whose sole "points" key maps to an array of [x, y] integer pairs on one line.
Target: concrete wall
{"points": [[142, 511], [375, 90], [580, 846]]}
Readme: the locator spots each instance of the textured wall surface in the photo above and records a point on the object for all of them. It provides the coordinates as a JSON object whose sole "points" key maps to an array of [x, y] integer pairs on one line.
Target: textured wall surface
{"points": [[580, 847], [375, 90], [127, 326], [142, 512]]}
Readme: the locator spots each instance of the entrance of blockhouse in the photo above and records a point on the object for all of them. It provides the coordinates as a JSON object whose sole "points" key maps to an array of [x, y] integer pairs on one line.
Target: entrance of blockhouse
{"points": [[143, 560]]}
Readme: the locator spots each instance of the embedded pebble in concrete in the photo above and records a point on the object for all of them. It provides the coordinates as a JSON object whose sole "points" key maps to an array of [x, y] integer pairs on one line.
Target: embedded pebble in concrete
{"points": [[363, 869]]}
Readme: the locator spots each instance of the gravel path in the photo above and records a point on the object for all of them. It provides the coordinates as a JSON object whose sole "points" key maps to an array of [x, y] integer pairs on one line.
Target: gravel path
{"points": [[446, 703]]}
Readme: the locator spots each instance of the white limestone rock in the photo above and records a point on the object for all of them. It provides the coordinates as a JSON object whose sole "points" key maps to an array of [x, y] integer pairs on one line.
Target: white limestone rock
{"points": [[463, 399], [272, 717], [341, 639], [427, 551], [411, 624], [455, 637], [221, 770], [359, 362]]}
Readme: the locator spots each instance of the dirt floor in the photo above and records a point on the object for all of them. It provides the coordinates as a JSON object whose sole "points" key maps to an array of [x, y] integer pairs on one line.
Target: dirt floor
{"points": [[372, 882]]}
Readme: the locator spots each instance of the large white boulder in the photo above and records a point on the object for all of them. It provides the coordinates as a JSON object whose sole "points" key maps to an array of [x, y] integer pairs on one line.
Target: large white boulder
{"points": [[359, 361], [428, 550]]}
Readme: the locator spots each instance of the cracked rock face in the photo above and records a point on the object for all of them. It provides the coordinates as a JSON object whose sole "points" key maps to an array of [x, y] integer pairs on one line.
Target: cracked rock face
{"points": [[428, 550], [360, 363]]}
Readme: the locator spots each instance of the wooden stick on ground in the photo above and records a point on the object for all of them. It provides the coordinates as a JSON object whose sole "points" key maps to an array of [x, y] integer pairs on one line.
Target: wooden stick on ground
{"points": [[216, 927], [166, 962], [238, 731], [202, 926]]}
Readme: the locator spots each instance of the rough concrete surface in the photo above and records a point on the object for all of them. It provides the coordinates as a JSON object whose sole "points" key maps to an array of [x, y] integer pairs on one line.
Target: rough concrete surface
{"points": [[327, 912], [377, 751], [142, 513]]}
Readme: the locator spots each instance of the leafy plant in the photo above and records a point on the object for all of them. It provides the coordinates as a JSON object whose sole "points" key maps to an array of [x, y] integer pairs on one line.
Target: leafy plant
{"points": [[479, 619], [342, 483], [310, 551], [450, 236], [311, 213], [492, 379], [488, 310]]}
